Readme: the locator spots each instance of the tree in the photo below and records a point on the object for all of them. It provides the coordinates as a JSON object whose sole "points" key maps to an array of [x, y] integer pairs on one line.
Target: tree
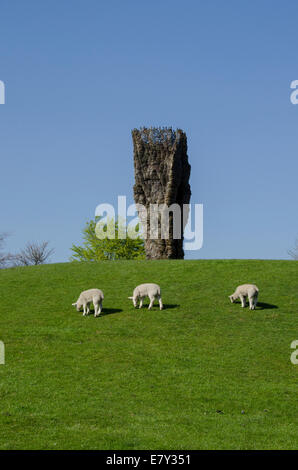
{"points": [[294, 252], [5, 258], [33, 254], [109, 248]]}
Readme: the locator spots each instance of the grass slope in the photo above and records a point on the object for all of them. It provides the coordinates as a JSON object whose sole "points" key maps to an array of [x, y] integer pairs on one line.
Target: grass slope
{"points": [[201, 374]]}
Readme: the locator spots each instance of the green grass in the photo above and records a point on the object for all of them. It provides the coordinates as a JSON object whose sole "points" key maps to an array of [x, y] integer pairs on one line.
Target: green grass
{"points": [[201, 374]]}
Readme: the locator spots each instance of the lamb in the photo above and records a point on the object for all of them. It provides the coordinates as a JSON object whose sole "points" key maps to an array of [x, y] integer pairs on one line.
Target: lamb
{"points": [[144, 290], [246, 290], [86, 297]]}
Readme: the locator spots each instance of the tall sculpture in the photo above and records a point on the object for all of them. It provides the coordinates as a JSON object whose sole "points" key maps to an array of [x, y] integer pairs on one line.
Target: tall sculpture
{"points": [[161, 177]]}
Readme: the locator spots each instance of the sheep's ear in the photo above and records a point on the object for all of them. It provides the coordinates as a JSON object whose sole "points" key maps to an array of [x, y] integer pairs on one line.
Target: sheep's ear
{"points": [[74, 304], [130, 298]]}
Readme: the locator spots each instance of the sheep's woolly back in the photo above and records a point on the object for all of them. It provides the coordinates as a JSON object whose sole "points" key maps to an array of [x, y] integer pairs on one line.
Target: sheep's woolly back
{"points": [[90, 294], [144, 290], [246, 290]]}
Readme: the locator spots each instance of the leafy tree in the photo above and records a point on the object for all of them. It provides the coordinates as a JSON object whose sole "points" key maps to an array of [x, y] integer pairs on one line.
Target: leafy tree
{"points": [[111, 247]]}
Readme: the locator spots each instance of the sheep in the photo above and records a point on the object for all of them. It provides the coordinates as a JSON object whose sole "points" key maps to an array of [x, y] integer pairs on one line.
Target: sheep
{"points": [[86, 297], [144, 290], [246, 290]]}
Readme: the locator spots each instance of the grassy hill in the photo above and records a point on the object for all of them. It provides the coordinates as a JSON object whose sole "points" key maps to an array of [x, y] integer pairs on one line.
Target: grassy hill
{"points": [[201, 374]]}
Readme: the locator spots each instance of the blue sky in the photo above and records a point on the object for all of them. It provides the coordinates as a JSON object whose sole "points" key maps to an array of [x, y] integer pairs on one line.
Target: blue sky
{"points": [[79, 75]]}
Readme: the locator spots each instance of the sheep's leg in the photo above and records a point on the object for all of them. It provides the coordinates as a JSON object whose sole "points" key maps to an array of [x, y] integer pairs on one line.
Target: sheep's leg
{"points": [[253, 302], [141, 302], [151, 302], [160, 302], [243, 300], [84, 310], [95, 309], [88, 308]]}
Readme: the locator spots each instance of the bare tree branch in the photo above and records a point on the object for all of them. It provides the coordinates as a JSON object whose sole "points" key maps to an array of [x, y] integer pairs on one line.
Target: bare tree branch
{"points": [[33, 254], [294, 252], [5, 258]]}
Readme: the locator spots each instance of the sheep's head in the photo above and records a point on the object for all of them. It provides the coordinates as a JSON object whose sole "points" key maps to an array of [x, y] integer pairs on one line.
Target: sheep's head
{"points": [[231, 297], [134, 301], [78, 305]]}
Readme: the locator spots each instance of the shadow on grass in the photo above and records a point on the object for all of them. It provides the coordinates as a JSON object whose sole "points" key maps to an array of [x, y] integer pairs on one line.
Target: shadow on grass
{"points": [[166, 306], [156, 306], [110, 311], [264, 306], [260, 305]]}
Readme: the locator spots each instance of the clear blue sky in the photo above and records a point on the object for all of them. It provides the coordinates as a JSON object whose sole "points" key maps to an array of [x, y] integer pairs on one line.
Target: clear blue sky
{"points": [[80, 74]]}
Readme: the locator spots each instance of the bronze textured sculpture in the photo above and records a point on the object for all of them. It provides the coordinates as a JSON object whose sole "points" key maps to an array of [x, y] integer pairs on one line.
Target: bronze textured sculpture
{"points": [[161, 177]]}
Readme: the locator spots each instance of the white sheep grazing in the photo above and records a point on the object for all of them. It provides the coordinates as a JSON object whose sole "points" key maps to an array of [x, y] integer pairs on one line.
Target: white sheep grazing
{"points": [[246, 290], [144, 290], [86, 297]]}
